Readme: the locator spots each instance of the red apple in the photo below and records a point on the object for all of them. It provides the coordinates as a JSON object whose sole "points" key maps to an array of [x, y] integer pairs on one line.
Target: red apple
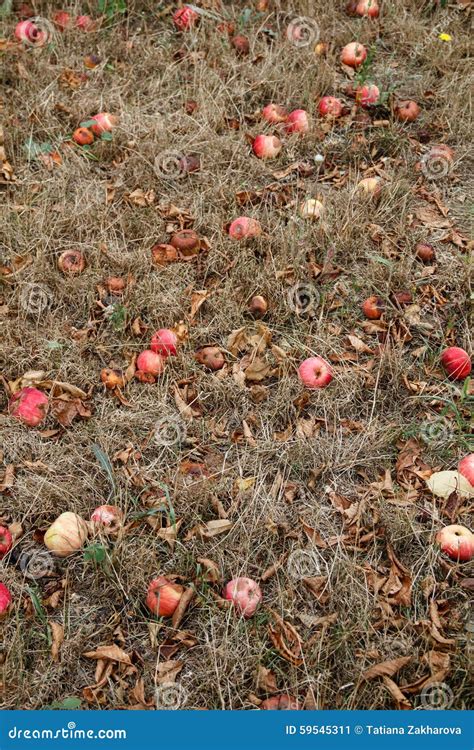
{"points": [[353, 54], [30, 33], [466, 468], [71, 262], [29, 406], [457, 542], [373, 308], [258, 306], [5, 541], [456, 362], [315, 372], [244, 228], [164, 342], [83, 136], [5, 600], [368, 8], [367, 95], [150, 363], [245, 594], [62, 19], [330, 106], [425, 252], [266, 146], [104, 122], [185, 18], [163, 596], [211, 357], [241, 44], [407, 111], [297, 122], [274, 114], [84, 22], [107, 517]]}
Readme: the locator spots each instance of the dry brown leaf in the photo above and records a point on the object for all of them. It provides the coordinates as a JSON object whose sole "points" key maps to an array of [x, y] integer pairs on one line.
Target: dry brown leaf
{"points": [[8, 478], [401, 700], [167, 671], [183, 604], [266, 681], [286, 639], [57, 636], [359, 345], [109, 653], [211, 572], [386, 668], [197, 300]]}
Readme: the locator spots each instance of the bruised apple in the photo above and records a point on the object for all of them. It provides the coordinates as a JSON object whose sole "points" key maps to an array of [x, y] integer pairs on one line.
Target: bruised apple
{"points": [[29, 405], [245, 594]]}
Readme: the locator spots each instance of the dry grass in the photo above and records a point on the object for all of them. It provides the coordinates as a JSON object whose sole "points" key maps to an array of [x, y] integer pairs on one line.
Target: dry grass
{"points": [[47, 211]]}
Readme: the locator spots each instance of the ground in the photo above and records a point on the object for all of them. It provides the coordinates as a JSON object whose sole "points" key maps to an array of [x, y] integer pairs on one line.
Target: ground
{"points": [[318, 495]]}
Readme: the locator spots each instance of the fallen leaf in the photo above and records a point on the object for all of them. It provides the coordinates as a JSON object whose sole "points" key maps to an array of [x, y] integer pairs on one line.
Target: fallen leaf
{"points": [[57, 634], [387, 668]]}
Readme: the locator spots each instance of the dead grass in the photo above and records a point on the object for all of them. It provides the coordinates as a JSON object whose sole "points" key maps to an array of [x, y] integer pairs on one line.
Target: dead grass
{"points": [[47, 211]]}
